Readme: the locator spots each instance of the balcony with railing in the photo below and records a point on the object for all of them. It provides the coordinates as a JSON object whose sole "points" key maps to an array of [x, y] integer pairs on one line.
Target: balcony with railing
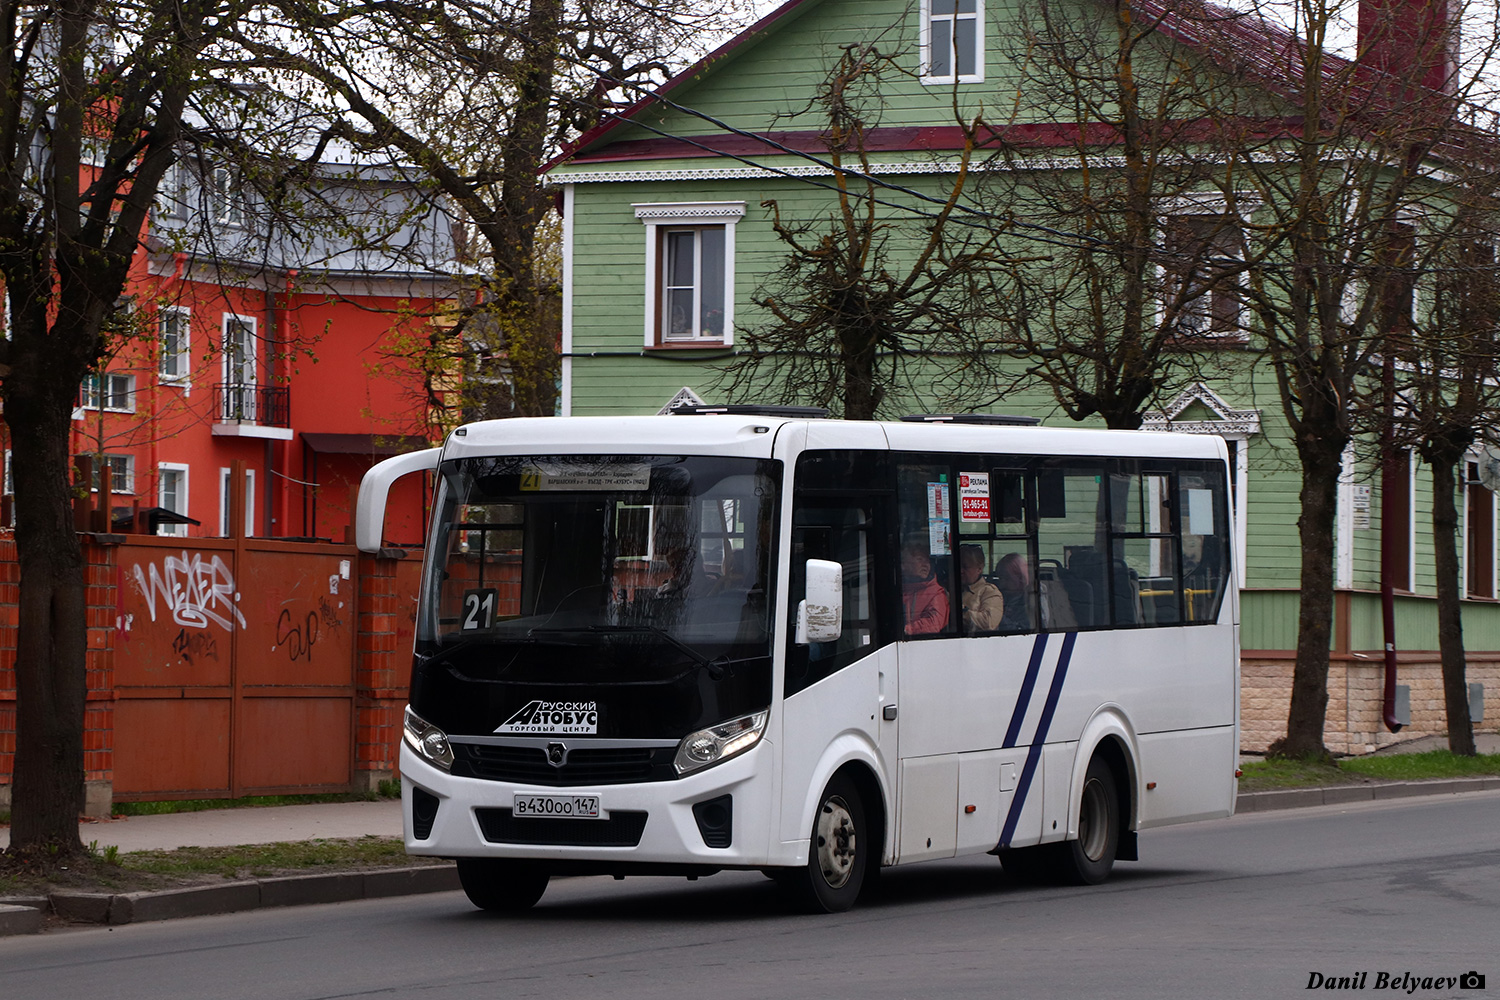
{"points": [[246, 409]]}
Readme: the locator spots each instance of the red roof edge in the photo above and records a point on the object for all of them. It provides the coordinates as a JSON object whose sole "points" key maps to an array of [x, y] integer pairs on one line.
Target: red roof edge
{"points": [[619, 118]]}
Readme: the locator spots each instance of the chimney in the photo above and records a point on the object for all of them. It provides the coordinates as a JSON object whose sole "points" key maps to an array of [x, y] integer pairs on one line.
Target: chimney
{"points": [[1413, 40]]}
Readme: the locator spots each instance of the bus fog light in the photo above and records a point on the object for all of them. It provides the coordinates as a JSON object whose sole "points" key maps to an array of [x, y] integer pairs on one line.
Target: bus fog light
{"points": [[717, 743], [428, 741]]}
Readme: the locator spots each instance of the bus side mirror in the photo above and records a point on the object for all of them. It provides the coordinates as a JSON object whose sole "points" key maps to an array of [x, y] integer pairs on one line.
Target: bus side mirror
{"points": [[820, 616], [369, 512]]}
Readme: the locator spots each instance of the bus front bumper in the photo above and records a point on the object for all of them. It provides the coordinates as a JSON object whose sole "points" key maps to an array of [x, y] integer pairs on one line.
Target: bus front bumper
{"points": [[473, 818]]}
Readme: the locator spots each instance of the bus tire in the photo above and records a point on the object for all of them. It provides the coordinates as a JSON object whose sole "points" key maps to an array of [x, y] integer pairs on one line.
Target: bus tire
{"points": [[500, 885], [838, 852], [1089, 859]]}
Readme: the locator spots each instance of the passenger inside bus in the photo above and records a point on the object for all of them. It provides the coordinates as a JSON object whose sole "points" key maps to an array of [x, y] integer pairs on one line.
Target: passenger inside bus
{"points": [[923, 595], [984, 607], [1014, 580]]}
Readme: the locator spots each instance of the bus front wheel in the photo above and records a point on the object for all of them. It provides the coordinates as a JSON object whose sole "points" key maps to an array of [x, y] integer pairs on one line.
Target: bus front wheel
{"points": [[500, 885], [837, 852]]}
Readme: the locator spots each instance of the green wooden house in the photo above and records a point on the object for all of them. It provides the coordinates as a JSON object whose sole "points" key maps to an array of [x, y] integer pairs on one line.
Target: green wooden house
{"points": [[667, 247]]}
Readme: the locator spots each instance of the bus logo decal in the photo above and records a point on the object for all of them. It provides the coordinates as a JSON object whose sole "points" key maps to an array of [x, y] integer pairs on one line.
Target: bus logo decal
{"points": [[1034, 755], [554, 717]]}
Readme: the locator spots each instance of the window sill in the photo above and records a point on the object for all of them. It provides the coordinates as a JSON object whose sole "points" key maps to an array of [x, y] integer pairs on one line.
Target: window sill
{"points": [[948, 81], [690, 345]]}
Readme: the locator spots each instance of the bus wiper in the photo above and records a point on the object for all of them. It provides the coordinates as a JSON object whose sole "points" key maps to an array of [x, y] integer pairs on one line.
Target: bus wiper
{"points": [[717, 667]]}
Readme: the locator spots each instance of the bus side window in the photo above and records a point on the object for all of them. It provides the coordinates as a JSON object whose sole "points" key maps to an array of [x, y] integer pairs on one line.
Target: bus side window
{"points": [[1205, 543], [925, 516], [1070, 536]]}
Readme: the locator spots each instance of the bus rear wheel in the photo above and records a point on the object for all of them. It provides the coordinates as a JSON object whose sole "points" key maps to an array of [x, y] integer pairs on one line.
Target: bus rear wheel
{"points": [[1089, 859], [500, 885], [837, 852]]}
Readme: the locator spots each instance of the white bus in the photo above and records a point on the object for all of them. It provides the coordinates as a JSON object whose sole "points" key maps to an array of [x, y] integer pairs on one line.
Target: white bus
{"points": [[757, 639]]}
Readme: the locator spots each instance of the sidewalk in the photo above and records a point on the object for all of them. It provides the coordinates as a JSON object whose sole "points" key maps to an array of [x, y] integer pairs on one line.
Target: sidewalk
{"points": [[249, 825]]}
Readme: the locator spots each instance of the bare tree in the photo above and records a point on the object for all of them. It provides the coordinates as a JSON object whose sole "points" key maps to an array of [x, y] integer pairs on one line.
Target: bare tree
{"points": [[478, 94], [879, 295], [1449, 391], [1354, 190], [106, 108], [87, 130], [1116, 157]]}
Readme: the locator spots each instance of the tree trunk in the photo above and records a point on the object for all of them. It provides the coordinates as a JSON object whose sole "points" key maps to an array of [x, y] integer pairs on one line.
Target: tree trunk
{"points": [[51, 684], [1320, 459], [1449, 608]]}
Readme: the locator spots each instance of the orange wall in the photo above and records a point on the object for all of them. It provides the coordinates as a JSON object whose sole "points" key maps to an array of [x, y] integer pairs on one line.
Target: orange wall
{"points": [[344, 364]]}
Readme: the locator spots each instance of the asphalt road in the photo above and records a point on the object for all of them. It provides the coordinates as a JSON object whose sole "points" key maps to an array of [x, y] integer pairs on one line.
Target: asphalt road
{"points": [[1248, 907]]}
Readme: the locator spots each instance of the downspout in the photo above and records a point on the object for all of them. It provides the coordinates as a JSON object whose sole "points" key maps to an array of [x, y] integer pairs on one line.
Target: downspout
{"points": [[1388, 476]]}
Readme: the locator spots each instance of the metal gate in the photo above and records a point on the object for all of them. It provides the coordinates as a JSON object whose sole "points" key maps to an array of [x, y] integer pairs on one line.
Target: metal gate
{"points": [[234, 667]]}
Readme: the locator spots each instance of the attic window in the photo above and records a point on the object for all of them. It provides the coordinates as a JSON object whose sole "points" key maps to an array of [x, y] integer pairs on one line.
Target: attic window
{"points": [[952, 41]]}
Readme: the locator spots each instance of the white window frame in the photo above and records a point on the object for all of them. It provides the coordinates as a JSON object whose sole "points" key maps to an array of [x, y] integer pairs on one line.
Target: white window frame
{"points": [[226, 477], [182, 471], [107, 468], [1464, 484], [671, 215], [181, 360], [171, 192], [927, 16], [93, 399], [228, 201]]}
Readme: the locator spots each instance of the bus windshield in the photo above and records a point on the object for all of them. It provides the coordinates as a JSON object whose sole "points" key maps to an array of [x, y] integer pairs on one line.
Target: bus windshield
{"points": [[620, 554]]}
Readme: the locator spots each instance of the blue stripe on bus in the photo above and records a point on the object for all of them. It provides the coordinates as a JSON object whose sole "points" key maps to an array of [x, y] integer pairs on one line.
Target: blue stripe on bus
{"points": [[1013, 733], [1034, 755]]}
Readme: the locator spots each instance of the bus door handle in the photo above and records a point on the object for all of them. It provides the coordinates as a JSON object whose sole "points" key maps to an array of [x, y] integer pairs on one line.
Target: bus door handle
{"points": [[888, 713]]}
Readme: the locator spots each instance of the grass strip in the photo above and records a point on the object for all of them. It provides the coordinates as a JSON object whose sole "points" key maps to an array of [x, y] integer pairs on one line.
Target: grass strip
{"points": [[1281, 773]]}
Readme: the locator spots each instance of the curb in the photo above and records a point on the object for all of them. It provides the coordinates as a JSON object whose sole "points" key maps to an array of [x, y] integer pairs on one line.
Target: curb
{"points": [[25, 916], [1298, 798]]}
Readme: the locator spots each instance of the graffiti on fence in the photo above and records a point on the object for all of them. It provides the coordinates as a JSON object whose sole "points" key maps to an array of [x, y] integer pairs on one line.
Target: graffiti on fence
{"points": [[192, 645], [196, 590], [297, 640]]}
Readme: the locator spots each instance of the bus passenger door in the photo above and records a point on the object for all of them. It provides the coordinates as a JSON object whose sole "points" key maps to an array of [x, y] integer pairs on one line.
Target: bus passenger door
{"points": [[843, 687]]}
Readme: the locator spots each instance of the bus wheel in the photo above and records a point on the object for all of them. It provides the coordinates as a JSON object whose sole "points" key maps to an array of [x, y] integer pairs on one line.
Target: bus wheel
{"points": [[1088, 860], [501, 885], [837, 852]]}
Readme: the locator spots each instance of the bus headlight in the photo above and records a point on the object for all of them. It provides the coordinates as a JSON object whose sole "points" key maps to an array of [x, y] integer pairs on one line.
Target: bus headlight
{"points": [[719, 743], [429, 742]]}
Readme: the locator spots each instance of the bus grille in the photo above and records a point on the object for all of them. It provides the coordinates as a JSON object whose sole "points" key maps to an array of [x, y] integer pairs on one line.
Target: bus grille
{"points": [[584, 766], [622, 829]]}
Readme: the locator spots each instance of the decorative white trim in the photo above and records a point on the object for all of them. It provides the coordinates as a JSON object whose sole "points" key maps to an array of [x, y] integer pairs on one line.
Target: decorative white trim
{"points": [[1343, 554], [1232, 425], [688, 213], [1228, 421], [928, 166], [683, 397], [565, 390]]}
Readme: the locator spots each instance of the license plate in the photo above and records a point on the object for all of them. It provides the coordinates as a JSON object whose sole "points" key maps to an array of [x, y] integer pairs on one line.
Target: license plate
{"points": [[556, 807]]}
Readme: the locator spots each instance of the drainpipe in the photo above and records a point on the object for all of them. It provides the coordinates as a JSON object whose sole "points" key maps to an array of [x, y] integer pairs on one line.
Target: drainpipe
{"points": [[1388, 476]]}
